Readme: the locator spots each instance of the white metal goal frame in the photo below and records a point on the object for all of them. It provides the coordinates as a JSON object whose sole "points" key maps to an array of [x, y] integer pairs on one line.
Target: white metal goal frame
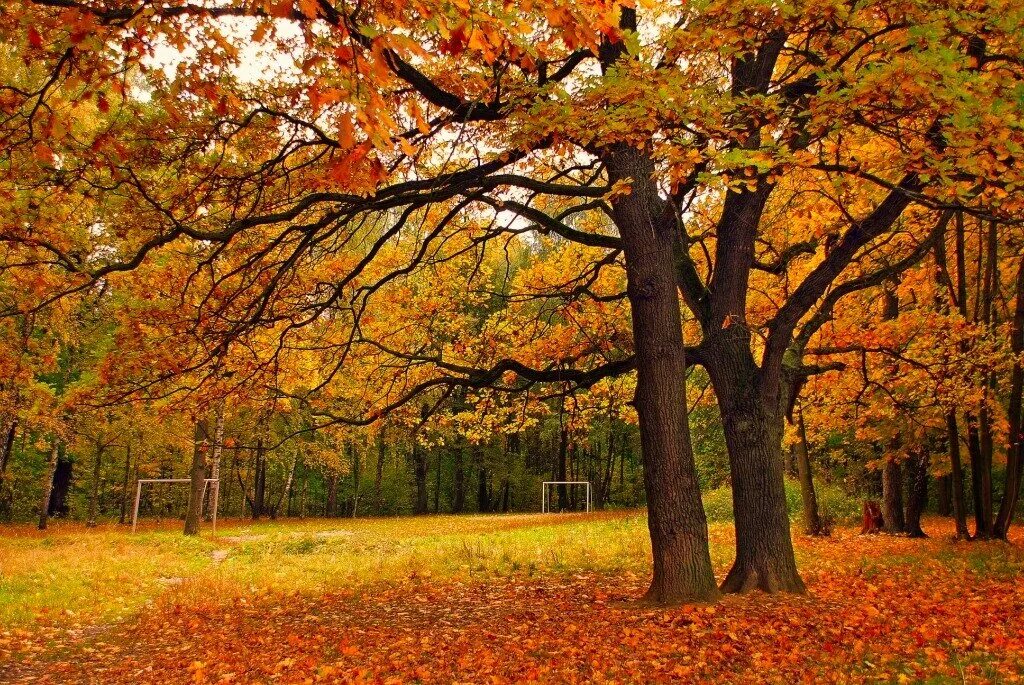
{"points": [[206, 483], [545, 499]]}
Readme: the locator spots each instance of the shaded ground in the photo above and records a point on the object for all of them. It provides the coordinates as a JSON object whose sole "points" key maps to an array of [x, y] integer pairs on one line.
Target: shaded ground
{"points": [[880, 609]]}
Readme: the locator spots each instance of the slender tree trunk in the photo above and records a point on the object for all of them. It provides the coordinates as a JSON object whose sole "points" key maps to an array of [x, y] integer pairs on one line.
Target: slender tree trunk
{"points": [[809, 498], [981, 483], [213, 492], [378, 502], [94, 490], [892, 498], [357, 469], [6, 450], [259, 483], [51, 468], [287, 486], [1011, 490], [675, 514], [506, 491], [332, 495], [126, 483], [916, 471], [483, 498], [459, 499], [437, 483], [957, 477], [201, 446], [562, 474], [419, 466]]}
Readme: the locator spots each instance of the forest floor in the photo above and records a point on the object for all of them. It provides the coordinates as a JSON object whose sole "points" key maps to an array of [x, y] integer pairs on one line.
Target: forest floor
{"points": [[490, 599]]}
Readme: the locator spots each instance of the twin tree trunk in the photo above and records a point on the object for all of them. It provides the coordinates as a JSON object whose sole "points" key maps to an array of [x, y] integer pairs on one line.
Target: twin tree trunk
{"points": [[753, 419], [678, 527]]}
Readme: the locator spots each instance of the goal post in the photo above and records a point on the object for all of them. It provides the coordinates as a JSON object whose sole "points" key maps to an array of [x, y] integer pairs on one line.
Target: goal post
{"points": [[545, 497], [207, 482]]}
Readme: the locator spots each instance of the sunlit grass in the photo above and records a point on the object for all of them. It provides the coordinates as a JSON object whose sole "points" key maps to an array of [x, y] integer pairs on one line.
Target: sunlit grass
{"points": [[107, 573], [79, 575]]}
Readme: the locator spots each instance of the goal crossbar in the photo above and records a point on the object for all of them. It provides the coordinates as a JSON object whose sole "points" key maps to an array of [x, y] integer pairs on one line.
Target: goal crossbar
{"points": [[545, 500], [206, 483]]}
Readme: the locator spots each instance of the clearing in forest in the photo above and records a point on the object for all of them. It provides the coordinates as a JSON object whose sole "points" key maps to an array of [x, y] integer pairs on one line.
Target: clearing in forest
{"points": [[491, 599]]}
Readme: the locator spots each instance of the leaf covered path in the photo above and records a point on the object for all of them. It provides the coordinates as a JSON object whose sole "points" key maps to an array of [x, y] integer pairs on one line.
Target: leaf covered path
{"points": [[880, 609]]}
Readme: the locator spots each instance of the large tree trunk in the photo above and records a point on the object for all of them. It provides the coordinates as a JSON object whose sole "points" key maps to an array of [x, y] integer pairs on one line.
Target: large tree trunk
{"points": [[892, 498], [808, 497], [200, 448], [51, 468], [916, 472], [94, 490], [675, 514], [753, 428]]}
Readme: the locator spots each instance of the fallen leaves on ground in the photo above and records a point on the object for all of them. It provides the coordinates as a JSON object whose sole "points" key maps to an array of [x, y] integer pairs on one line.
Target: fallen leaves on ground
{"points": [[879, 609]]}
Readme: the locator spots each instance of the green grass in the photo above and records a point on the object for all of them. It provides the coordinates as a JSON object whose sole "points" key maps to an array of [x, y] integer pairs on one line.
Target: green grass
{"points": [[103, 574]]}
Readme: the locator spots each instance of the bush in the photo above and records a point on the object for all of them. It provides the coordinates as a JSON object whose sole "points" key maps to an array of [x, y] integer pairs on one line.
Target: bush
{"points": [[833, 504]]}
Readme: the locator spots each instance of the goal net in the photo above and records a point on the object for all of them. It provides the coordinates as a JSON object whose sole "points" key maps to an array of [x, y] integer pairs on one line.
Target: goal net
{"points": [[548, 489]]}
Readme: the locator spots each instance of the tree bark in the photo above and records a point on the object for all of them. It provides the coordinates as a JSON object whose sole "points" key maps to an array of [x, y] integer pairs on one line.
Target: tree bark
{"points": [[378, 502], [258, 506], [126, 483], [459, 498], [419, 467], [437, 483], [330, 508], [6, 449], [200, 448], [809, 498], [957, 477], [892, 498], [561, 472], [51, 468], [1011, 490], [675, 514], [753, 427], [916, 472], [981, 478], [94, 490]]}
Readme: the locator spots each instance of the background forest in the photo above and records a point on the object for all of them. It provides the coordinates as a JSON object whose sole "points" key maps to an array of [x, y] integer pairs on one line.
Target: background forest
{"points": [[906, 372]]}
